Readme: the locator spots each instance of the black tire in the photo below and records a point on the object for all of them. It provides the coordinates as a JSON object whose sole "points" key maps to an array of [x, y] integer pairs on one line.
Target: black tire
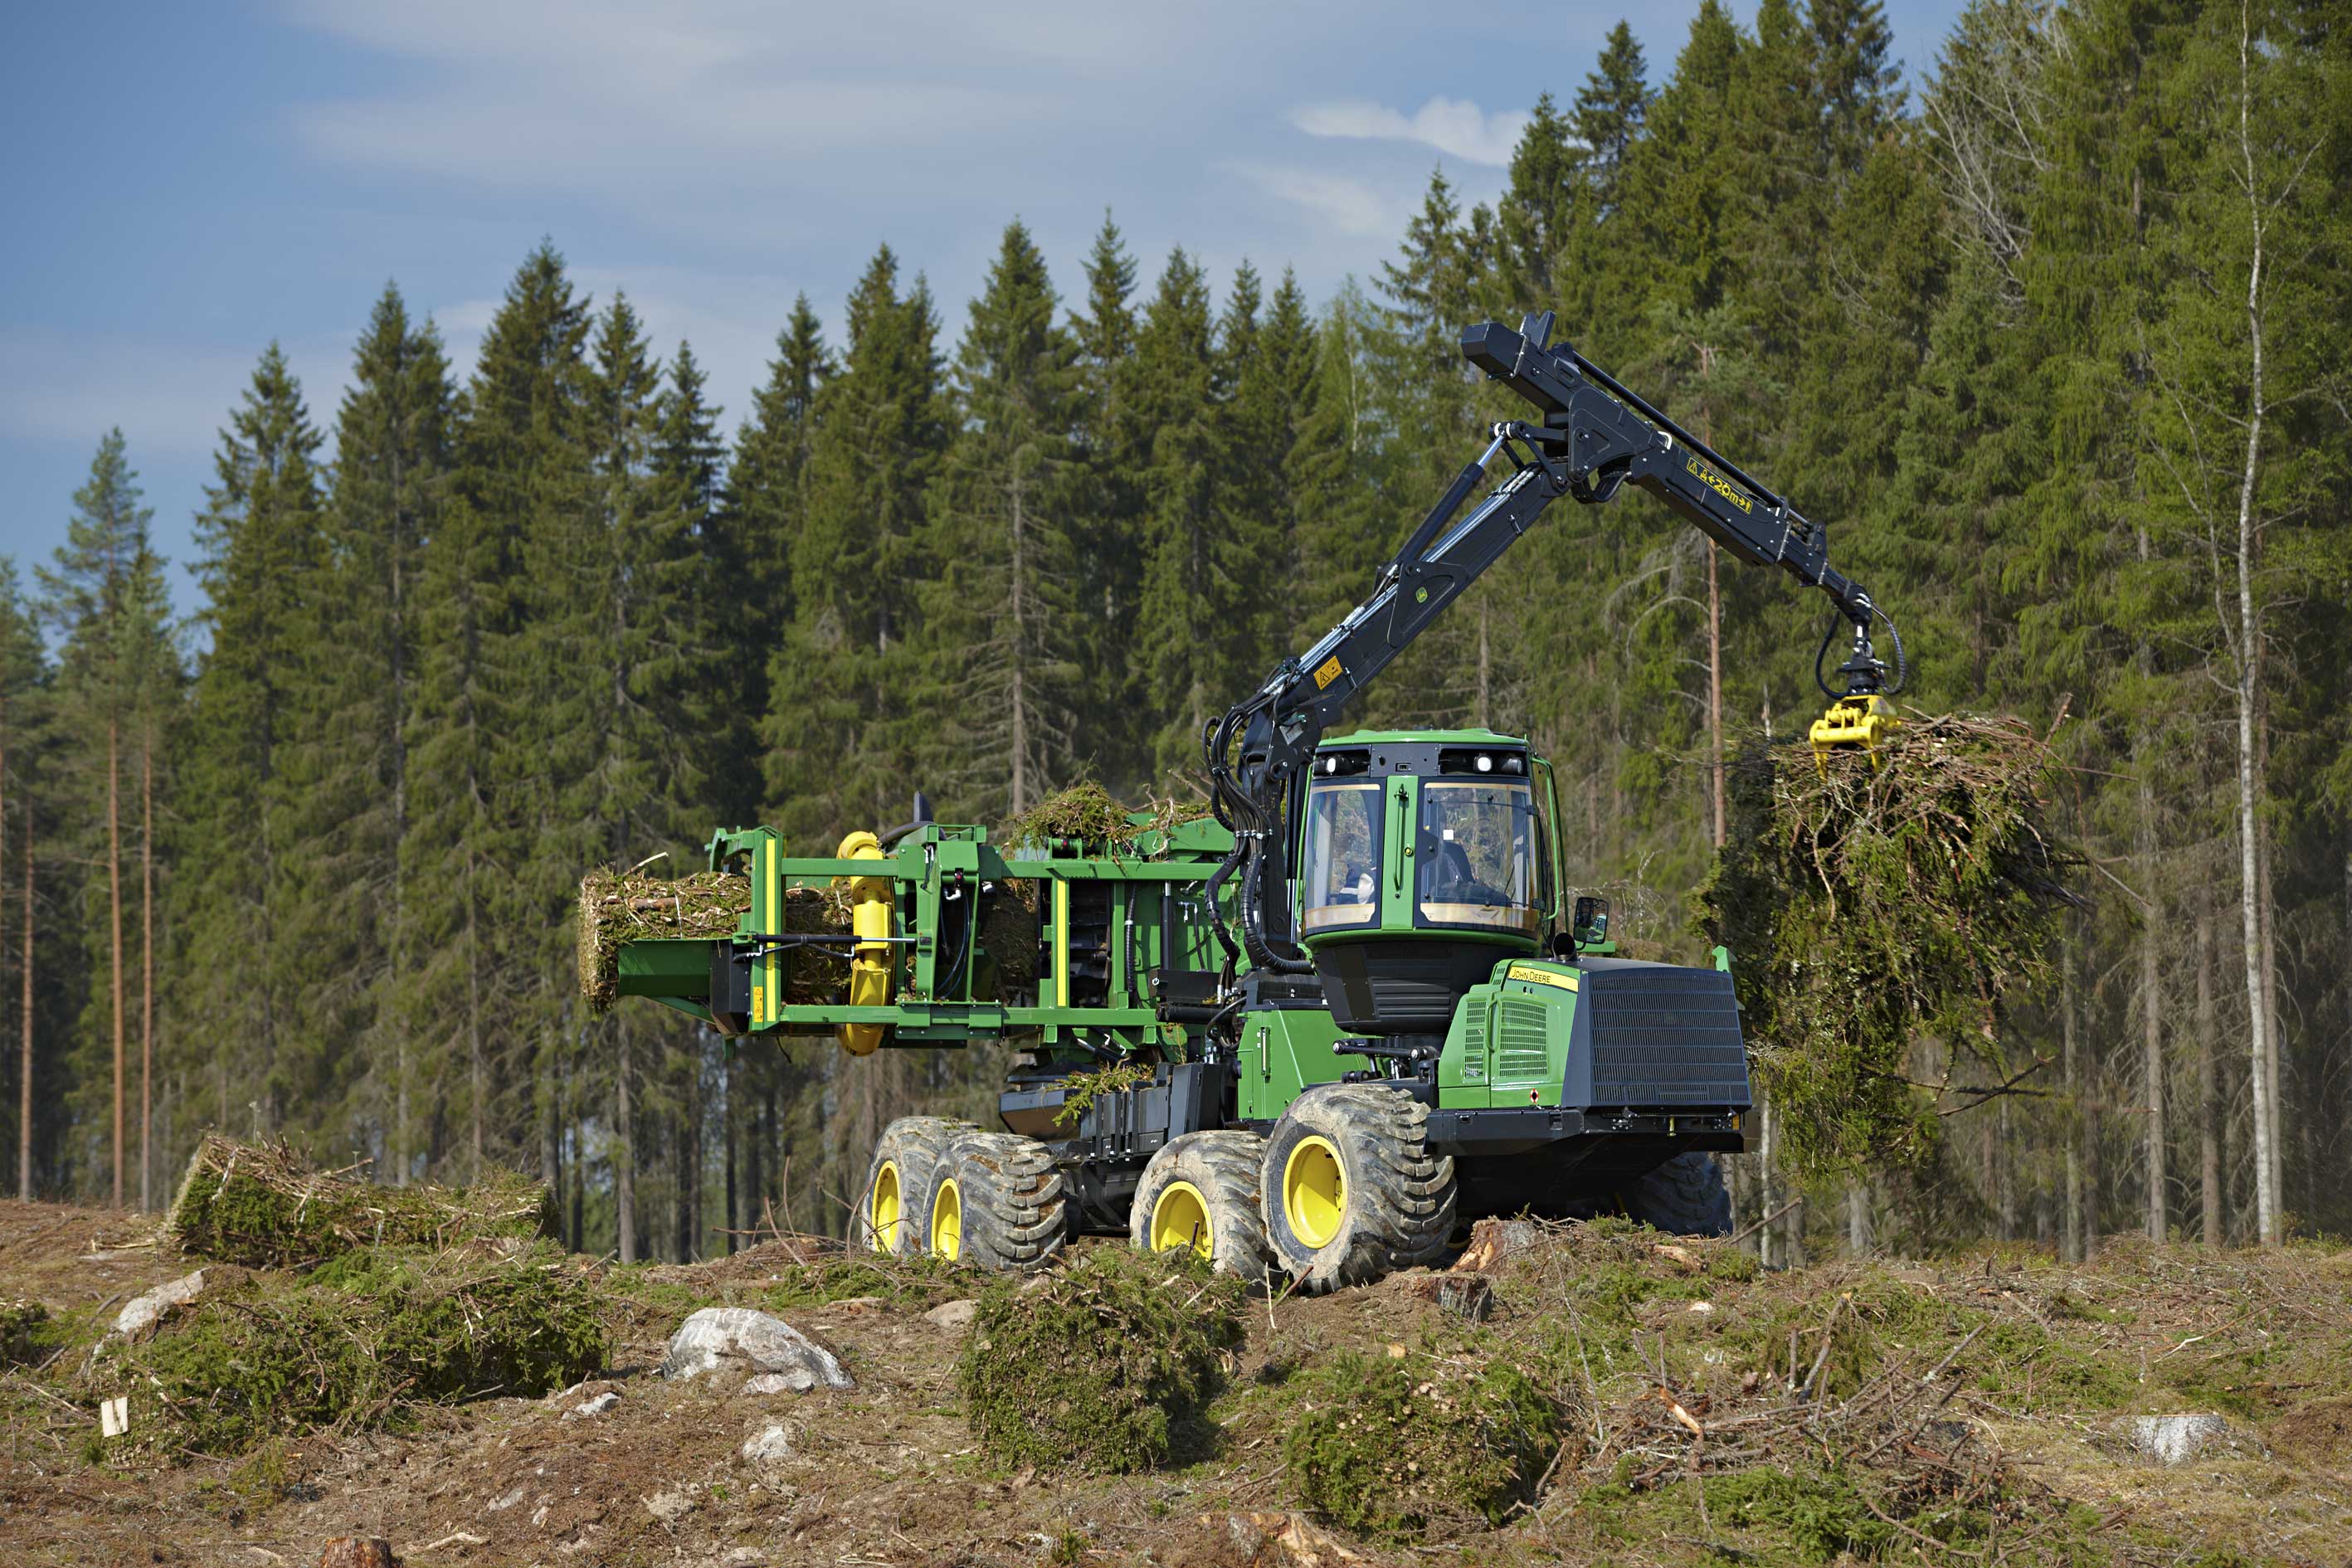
{"points": [[1685, 1195], [1349, 1190], [908, 1154], [1206, 1183], [1010, 1199]]}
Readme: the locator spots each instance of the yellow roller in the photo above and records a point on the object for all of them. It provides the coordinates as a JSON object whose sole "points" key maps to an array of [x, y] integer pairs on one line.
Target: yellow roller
{"points": [[869, 964]]}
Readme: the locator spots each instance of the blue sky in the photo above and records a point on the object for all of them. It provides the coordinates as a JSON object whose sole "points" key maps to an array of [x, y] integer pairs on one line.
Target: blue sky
{"points": [[187, 181]]}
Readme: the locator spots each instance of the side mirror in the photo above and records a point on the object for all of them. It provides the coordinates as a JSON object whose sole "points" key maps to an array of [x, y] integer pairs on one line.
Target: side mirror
{"points": [[1590, 924]]}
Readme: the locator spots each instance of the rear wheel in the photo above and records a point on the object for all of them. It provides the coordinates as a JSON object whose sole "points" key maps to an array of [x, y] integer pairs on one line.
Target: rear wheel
{"points": [[995, 1200], [898, 1181], [1685, 1195], [1349, 1189], [1201, 1193]]}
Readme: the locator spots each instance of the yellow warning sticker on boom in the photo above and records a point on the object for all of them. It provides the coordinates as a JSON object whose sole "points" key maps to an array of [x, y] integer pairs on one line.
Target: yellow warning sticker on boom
{"points": [[1327, 672]]}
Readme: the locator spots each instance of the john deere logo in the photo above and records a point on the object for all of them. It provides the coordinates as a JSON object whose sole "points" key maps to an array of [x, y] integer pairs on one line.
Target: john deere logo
{"points": [[1421, 596]]}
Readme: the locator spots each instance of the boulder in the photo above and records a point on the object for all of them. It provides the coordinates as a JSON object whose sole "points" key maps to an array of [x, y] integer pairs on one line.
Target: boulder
{"points": [[2177, 1439], [743, 1339], [953, 1314], [142, 1313], [587, 1409], [770, 1445], [669, 1507]]}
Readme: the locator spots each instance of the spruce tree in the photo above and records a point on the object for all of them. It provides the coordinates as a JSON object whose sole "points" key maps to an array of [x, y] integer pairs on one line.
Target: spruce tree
{"points": [[835, 733], [262, 567], [1002, 638], [1537, 209], [1112, 445], [389, 486]]}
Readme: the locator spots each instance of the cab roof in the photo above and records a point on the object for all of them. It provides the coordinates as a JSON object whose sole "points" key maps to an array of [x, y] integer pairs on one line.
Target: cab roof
{"points": [[1421, 737]]}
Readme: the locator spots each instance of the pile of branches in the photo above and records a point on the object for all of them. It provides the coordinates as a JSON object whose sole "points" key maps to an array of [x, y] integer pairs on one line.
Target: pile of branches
{"points": [[620, 907], [263, 1204], [1867, 906], [356, 1345], [1087, 813]]}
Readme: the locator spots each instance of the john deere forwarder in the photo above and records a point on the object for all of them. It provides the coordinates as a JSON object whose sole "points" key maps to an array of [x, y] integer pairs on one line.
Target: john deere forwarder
{"points": [[1352, 1014]]}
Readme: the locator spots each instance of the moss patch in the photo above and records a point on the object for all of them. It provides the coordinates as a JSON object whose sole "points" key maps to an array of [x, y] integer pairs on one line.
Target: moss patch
{"points": [[23, 1336], [1107, 1363]]}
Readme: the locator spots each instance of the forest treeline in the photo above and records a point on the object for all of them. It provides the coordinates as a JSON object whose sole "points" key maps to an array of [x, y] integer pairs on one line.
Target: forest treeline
{"points": [[2050, 339]]}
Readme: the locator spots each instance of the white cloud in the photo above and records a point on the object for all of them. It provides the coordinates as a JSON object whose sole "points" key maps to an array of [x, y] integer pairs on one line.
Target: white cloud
{"points": [[1454, 126], [1355, 208]]}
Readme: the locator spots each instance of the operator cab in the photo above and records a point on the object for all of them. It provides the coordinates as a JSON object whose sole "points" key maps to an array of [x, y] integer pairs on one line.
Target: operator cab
{"points": [[1424, 859]]}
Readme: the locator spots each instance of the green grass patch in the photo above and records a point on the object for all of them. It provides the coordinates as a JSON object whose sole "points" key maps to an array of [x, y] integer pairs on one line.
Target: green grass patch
{"points": [[1106, 1364]]}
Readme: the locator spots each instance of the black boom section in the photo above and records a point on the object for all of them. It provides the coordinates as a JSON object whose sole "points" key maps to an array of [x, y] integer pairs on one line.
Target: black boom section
{"points": [[1655, 1037]]}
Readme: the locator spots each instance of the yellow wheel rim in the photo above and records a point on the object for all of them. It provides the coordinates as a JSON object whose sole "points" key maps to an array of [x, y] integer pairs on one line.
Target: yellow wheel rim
{"points": [[947, 1222], [1181, 1219], [1314, 1191], [884, 1209]]}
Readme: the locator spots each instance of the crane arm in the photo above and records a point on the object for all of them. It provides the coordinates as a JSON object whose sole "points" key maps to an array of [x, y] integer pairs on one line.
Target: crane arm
{"points": [[1595, 436]]}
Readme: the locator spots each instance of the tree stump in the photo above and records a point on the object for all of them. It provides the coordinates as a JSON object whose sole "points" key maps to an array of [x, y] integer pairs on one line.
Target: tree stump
{"points": [[358, 1551]]}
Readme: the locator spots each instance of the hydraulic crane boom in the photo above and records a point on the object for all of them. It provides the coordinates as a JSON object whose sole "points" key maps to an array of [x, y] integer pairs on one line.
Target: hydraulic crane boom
{"points": [[1595, 435]]}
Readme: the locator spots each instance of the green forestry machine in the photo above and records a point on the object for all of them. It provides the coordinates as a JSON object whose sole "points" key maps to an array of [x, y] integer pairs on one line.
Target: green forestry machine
{"points": [[1314, 1034]]}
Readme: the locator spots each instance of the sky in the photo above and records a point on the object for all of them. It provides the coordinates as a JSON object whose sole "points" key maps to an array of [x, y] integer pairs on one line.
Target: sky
{"points": [[188, 182]]}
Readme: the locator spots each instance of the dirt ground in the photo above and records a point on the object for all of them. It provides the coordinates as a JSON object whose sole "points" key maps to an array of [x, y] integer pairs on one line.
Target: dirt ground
{"points": [[887, 1473]]}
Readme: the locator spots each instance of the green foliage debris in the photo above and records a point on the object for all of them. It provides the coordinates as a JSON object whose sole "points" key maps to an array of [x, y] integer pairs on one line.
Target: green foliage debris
{"points": [[354, 1344], [1087, 813], [1081, 1089], [1104, 1363], [21, 1323], [1394, 1448], [262, 1204], [1915, 891]]}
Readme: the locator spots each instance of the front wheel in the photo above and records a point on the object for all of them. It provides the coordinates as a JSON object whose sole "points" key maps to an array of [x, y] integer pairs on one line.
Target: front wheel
{"points": [[1351, 1190], [1200, 1194]]}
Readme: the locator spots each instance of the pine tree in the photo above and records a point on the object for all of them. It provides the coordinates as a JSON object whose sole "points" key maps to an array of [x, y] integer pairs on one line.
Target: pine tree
{"points": [[835, 731], [390, 485], [93, 595], [1168, 388], [1112, 445], [1002, 638], [262, 569], [1536, 210], [751, 540], [1608, 116], [24, 671], [480, 803]]}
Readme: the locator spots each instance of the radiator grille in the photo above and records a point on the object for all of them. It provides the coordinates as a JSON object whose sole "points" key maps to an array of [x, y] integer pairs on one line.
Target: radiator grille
{"points": [[1521, 1025], [1666, 1036]]}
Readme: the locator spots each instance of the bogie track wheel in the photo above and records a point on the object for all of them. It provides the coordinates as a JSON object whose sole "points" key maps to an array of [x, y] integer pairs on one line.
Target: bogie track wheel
{"points": [[1349, 1189], [1686, 1195], [996, 1200], [899, 1180], [1201, 1193]]}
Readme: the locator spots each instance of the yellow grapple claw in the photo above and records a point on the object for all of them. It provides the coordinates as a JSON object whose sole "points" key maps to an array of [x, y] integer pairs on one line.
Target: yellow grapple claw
{"points": [[869, 967], [1852, 722]]}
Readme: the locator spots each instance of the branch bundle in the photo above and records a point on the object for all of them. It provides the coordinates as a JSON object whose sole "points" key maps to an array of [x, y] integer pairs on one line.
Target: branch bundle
{"points": [[617, 908], [1087, 813], [1866, 907], [262, 1204]]}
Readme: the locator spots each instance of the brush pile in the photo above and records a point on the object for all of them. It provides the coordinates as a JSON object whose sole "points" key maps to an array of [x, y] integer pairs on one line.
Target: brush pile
{"points": [[263, 1205], [356, 1343], [1107, 1363], [617, 908], [1086, 813], [1866, 907]]}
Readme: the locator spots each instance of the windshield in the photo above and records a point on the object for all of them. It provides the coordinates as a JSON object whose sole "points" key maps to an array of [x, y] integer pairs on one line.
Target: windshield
{"points": [[1476, 856], [1341, 875]]}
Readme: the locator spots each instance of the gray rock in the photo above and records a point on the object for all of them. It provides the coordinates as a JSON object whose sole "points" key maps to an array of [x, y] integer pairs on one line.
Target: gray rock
{"points": [[142, 1313], [739, 1338], [954, 1314], [588, 1408], [669, 1507], [800, 1380], [770, 1444], [2177, 1439], [501, 1505]]}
